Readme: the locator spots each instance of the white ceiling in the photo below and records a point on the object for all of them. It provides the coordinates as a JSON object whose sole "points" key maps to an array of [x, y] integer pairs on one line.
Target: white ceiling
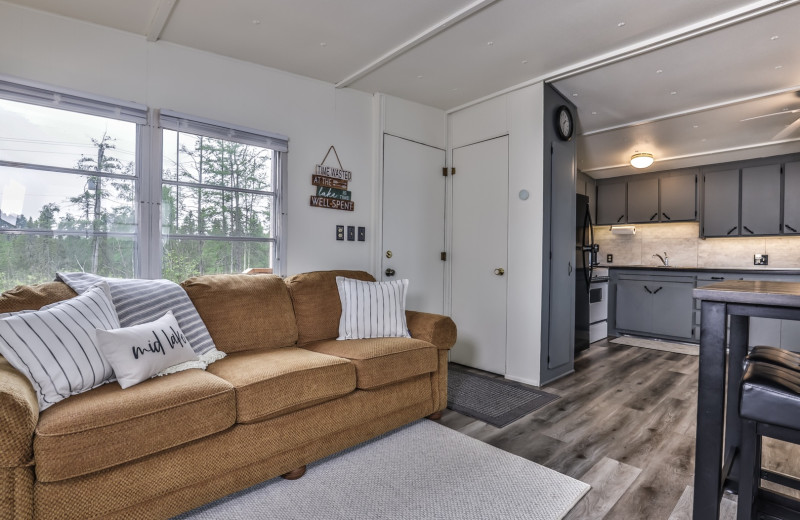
{"points": [[720, 60]]}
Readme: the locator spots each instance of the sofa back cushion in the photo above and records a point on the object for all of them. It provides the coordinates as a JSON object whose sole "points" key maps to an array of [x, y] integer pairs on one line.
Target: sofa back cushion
{"points": [[34, 297], [317, 306], [244, 311]]}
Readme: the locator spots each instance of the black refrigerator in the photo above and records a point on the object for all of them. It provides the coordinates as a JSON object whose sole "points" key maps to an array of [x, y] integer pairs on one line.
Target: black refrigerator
{"points": [[585, 259]]}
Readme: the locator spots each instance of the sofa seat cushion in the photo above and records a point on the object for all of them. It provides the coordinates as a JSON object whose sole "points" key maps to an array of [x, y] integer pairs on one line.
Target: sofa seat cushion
{"points": [[108, 426], [274, 382], [381, 361]]}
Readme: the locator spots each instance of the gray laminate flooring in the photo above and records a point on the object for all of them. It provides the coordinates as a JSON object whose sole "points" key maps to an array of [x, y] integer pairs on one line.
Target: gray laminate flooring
{"points": [[625, 424]]}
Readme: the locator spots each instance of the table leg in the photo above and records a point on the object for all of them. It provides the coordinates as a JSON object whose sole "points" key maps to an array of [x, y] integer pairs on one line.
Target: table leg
{"points": [[710, 411], [737, 351]]}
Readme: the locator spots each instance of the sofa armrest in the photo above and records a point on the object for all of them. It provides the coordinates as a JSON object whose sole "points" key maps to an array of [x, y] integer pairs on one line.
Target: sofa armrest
{"points": [[433, 328], [19, 414]]}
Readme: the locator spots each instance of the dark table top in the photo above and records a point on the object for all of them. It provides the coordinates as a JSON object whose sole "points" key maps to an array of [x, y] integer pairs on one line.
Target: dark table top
{"points": [[784, 294]]}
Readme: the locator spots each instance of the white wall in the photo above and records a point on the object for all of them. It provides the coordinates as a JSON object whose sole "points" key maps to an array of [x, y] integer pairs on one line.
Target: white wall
{"points": [[518, 114], [66, 53]]}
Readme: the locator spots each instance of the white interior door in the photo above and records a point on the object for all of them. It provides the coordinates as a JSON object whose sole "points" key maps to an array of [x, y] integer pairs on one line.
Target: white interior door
{"points": [[413, 220], [480, 253]]}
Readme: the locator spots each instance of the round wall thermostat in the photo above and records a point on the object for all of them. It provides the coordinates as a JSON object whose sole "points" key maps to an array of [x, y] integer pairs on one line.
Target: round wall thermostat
{"points": [[523, 194]]}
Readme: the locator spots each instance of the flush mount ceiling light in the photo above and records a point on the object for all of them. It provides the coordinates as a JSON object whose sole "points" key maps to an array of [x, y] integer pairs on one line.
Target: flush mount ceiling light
{"points": [[641, 160]]}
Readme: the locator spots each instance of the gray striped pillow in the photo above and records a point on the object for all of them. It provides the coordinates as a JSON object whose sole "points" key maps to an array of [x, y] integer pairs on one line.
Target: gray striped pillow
{"points": [[372, 309], [142, 301], [56, 347]]}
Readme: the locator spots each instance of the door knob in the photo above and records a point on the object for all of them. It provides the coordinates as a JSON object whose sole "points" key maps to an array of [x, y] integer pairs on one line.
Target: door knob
{"points": [[499, 271], [389, 272]]}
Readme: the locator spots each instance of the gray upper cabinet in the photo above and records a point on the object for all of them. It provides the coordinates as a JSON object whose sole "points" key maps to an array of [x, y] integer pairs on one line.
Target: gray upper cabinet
{"points": [[678, 198], [791, 198], [721, 203], [761, 200], [611, 203], [643, 201]]}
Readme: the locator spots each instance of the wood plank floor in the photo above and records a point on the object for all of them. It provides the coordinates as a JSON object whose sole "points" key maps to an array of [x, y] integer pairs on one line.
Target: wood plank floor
{"points": [[625, 423]]}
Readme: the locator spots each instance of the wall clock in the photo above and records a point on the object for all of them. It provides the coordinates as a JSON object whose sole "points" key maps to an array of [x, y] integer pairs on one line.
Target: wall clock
{"points": [[564, 123]]}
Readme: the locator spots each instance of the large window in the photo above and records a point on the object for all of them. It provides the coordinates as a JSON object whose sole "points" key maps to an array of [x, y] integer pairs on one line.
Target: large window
{"points": [[74, 198]]}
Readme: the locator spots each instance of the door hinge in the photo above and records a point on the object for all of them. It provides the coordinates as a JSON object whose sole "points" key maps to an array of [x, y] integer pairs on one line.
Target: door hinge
{"points": [[445, 170], [444, 256]]}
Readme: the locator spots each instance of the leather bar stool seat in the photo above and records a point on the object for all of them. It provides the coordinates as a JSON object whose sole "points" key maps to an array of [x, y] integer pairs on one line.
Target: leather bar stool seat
{"points": [[775, 356], [769, 406]]}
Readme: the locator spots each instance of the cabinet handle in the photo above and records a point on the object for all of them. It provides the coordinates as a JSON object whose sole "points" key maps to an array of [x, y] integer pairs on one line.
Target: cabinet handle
{"points": [[621, 217], [731, 230], [717, 277], [654, 215], [648, 290], [748, 230], [790, 228], [569, 268], [656, 291], [666, 216]]}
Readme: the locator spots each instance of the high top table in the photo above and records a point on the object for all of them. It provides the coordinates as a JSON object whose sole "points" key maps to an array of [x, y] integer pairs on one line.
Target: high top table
{"points": [[718, 405]]}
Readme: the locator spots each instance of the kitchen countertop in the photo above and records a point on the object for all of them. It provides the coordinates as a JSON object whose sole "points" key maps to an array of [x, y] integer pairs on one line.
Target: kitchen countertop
{"points": [[754, 269]]}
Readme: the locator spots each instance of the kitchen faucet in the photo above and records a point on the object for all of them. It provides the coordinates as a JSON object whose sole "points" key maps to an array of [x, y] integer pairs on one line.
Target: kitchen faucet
{"points": [[664, 259]]}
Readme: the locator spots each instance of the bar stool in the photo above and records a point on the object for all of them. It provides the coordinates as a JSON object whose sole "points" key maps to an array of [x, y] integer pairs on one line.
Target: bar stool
{"points": [[775, 356], [769, 406]]}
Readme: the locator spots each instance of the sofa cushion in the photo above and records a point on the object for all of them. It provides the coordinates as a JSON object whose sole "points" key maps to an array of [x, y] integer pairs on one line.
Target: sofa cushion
{"points": [[108, 426], [244, 311], [317, 306], [273, 382], [34, 297], [381, 361]]}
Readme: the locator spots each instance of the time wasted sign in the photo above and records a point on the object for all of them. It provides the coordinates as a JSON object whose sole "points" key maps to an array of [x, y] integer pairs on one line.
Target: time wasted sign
{"points": [[332, 190]]}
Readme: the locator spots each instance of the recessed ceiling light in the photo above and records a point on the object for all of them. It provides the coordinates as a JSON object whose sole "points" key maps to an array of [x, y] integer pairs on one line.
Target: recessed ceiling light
{"points": [[524, 62], [420, 76], [785, 109], [323, 44], [775, 37], [621, 24], [574, 94], [695, 126], [594, 113], [659, 71], [673, 92], [256, 22], [490, 43], [778, 67]]}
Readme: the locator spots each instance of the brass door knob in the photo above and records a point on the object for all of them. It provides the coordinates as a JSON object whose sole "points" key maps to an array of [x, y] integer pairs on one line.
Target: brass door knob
{"points": [[499, 271]]}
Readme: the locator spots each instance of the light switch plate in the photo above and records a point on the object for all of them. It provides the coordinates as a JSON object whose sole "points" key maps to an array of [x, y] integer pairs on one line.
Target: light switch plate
{"points": [[351, 233], [362, 233], [339, 232], [609, 258]]}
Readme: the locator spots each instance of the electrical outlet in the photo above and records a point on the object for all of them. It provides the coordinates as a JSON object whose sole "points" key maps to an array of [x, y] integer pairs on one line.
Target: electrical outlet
{"points": [[339, 232], [362, 233], [351, 233], [760, 259], [609, 258]]}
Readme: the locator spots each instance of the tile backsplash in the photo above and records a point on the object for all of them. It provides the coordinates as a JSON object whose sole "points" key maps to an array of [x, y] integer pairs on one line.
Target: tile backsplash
{"points": [[685, 248]]}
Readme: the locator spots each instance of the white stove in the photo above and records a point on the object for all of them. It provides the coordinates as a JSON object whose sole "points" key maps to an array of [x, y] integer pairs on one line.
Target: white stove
{"points": [[598, 304]]}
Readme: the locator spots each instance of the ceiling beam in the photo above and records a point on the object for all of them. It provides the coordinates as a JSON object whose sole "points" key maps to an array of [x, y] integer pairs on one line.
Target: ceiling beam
{"points": [[748, 12], [425, 35], [159, 20]]}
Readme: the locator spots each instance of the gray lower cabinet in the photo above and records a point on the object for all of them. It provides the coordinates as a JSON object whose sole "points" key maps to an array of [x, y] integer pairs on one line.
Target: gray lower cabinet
{"points": [[720, 203], [655, 306], [678, 197], [611, 203], [761, 200], [791, 198], [643, 201]]}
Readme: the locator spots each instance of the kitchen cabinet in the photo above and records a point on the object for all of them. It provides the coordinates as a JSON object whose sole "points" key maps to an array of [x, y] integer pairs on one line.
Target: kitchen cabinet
{"points": [[678, 197], [720, 203], [791, 198], [761, 200], [655, 305], [611, 203], [643, 201]]}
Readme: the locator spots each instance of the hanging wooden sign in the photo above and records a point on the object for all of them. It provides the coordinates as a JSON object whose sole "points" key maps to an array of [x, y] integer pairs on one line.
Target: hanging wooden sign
{"points": [[327, 202], [328, 182], [333, 193], [331, 185]]}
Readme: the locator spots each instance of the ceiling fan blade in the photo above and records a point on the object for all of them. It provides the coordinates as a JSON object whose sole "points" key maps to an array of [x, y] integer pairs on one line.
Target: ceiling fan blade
{"points": [[789, 130], [772, 114]]}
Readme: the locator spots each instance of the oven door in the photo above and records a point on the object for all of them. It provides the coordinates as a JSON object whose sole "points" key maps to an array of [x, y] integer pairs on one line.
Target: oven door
{"points": [[598, 301]]}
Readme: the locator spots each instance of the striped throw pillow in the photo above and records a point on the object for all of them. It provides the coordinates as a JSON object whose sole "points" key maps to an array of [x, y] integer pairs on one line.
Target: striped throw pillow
{"points": [[372, 309], [56, 348]]}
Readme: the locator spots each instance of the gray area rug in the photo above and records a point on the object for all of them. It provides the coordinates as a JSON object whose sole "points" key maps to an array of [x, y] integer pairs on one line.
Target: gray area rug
{"points": [[420, 471], [494, 401]]}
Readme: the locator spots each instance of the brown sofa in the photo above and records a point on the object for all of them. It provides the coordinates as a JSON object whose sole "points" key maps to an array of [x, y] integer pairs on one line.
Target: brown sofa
{"points": [[287, 394]]}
